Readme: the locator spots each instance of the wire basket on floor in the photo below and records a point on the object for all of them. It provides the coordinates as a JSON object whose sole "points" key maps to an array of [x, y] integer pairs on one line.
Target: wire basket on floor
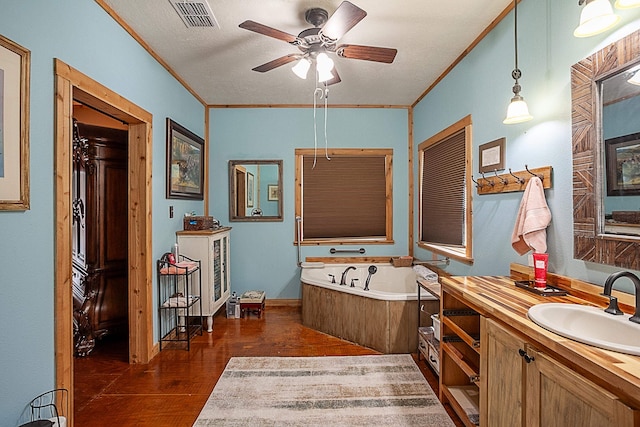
{"points": [[50, 408]]}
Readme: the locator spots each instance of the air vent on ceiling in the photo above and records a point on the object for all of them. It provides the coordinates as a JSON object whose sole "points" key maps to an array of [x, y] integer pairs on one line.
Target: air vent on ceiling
{"points": [[195, 13]]}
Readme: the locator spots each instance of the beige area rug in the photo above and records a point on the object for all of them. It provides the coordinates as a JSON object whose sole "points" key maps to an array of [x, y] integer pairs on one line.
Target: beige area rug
{"points": [[386, 390]]}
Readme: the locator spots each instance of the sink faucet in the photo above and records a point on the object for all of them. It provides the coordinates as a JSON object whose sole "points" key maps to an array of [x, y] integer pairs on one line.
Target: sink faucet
{"points": [[613, 301], [343, 279]]}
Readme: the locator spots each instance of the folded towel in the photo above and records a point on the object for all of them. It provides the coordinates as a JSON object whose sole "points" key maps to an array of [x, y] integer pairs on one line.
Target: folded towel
{"points": [[425, 273], [179, 268], [533, 218], [178, 301]]}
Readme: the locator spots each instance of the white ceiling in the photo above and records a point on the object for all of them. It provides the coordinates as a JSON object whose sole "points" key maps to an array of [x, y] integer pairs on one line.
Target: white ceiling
{"points": [[216, 63]]}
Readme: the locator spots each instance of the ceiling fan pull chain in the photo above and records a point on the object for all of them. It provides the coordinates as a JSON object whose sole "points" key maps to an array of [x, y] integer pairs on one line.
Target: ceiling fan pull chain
{"points": [[326, 114], [315, 128]]}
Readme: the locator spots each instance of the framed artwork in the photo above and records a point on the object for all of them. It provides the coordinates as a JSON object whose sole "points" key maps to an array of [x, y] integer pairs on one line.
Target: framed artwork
{"points": [[272, 192], [492, 155], [15, 66], [185, 163], [623, 165], [250, 190]]}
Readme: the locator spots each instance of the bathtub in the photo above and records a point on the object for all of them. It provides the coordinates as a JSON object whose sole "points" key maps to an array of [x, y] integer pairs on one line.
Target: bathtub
{"points": [[384, 318]]}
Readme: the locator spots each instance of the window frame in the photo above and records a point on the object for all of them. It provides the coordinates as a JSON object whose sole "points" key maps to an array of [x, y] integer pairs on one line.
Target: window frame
{"points": [[387, 153], [463, 253]]}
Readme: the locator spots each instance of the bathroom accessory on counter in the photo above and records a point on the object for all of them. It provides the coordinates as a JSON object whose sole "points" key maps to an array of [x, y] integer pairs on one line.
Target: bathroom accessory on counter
{"points": [[540, 262], [546, 291]]}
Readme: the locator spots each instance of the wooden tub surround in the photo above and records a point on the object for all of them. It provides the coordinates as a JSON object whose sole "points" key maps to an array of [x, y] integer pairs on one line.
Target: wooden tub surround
{"points": [[524, 374]]}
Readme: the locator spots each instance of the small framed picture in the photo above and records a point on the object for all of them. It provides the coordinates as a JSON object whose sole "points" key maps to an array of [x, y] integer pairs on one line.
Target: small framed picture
{"points": [[272, 192], [623, 165], [492, 156]]}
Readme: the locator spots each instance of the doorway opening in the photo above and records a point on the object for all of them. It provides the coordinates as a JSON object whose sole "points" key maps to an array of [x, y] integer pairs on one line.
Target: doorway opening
{"points": [[71, 85]]}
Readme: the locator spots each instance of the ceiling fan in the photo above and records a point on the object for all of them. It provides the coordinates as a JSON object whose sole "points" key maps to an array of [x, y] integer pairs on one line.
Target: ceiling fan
{"points": [[314, 43]]}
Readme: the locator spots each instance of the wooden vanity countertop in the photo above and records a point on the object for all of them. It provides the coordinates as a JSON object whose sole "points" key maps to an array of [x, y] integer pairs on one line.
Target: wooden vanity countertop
{"points": [[499, 298]]}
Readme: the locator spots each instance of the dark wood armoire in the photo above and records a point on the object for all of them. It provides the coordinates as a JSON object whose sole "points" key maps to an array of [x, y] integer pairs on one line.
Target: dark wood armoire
{"points": [[100, 234]]}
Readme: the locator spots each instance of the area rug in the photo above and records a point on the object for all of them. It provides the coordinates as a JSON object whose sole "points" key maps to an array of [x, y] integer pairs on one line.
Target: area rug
{"points": [[385, 390]]}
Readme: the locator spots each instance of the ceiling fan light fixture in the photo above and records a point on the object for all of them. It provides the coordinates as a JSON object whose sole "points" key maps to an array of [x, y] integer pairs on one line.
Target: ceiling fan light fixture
{"points": [[301, 68], [627, 4], [324, 63], [596, 17], [324, 75]]}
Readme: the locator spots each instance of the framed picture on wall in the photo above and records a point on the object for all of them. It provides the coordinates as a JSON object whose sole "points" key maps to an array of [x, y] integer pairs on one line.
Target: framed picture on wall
{"points": [[492, 156], [272, 192], [623, 165], [185, 163], [15, 66], [250, 190]]}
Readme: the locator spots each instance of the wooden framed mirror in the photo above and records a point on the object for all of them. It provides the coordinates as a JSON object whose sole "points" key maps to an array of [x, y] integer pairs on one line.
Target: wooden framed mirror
{"points": [[595, 240], [255, 190]]}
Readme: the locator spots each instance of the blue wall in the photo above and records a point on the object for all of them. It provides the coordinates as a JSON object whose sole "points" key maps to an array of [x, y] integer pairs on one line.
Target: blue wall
{"points": [[82, 35], [262, 253], [481, 85]]}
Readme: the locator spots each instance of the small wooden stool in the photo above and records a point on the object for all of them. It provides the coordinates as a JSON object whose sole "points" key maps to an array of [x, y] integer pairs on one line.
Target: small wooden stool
{"points": [[252, 302]]}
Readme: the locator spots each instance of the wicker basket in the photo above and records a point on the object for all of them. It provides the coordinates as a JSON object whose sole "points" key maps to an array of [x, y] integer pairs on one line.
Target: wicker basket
{"points": [[402, 261], [200, 223]]}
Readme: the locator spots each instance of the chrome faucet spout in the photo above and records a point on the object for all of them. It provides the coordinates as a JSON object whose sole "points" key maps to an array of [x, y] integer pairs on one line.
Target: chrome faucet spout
{"points": [[613, 301], [343, 279]]}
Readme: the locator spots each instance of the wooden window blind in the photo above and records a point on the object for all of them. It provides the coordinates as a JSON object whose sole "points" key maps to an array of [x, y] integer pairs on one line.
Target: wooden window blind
{"points": [[345, 197], [443, 191]]}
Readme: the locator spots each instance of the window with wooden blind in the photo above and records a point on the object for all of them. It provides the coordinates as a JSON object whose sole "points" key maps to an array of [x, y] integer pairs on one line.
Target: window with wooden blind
{"points": [[445, 193], [347, 199]]}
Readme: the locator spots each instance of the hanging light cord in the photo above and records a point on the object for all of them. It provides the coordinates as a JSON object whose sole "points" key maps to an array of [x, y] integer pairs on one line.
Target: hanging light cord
{"points": [[320, 93], [516, 73]]}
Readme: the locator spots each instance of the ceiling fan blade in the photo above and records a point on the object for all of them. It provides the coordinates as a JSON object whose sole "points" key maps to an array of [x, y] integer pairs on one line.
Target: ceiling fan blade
{"points": [[268, 31], [346, 16], [283, 60], [367, 53]]}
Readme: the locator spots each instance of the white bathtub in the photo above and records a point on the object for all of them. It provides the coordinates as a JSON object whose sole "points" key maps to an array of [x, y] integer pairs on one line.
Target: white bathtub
{"points": [[384, 318], [389, 283]]}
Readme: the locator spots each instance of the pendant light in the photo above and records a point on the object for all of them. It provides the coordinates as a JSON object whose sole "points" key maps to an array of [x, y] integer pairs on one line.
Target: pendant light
{"points": [[627, 4], [517, 112], [597, 16], [324, 65]]}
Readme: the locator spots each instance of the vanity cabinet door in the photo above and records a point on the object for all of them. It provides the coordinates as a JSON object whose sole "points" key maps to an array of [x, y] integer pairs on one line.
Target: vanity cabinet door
{"points": [[502, 374], [525, 387], [558, 396]]}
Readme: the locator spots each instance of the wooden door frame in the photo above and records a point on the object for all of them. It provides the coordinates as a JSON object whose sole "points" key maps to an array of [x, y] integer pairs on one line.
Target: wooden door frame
{"points": [[71, 84]]}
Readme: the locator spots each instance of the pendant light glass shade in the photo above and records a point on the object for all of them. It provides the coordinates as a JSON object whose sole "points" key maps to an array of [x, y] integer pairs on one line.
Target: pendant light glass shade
{"points": [[301, 68], [597, 16], [635, 79], [517, 112], [324, 65], [324, 75], [627, 4]]}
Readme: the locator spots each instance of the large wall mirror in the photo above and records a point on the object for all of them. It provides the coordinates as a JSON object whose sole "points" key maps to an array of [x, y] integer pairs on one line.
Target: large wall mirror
{"points": [[606, 155], [255, 190]]}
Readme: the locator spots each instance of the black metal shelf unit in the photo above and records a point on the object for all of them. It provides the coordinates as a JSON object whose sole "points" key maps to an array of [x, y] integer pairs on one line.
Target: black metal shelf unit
{"points": [[179, 302]]}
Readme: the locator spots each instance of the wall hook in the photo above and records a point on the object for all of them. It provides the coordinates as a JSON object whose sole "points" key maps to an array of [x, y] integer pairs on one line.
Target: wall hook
{"points": [[539, 176], [504, 181], [491, 183], [518, 179], [478, 184]]}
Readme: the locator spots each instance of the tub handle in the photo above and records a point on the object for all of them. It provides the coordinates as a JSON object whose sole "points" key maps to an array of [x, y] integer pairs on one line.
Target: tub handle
{"points": [[333, 278], [353, 285]]}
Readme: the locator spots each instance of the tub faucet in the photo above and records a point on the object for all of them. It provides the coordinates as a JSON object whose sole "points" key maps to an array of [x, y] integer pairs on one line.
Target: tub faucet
{"points": [[343, 279], [613, 301]]}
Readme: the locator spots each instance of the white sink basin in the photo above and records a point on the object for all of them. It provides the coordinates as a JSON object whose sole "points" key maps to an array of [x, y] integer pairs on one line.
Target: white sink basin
{"points": [[589, 325]]}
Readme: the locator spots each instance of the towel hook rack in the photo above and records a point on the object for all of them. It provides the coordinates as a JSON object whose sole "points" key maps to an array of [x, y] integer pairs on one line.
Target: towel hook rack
{"points": [[491, 183], [527, 168], [504, 181], [518, 179], [478, 184]]}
